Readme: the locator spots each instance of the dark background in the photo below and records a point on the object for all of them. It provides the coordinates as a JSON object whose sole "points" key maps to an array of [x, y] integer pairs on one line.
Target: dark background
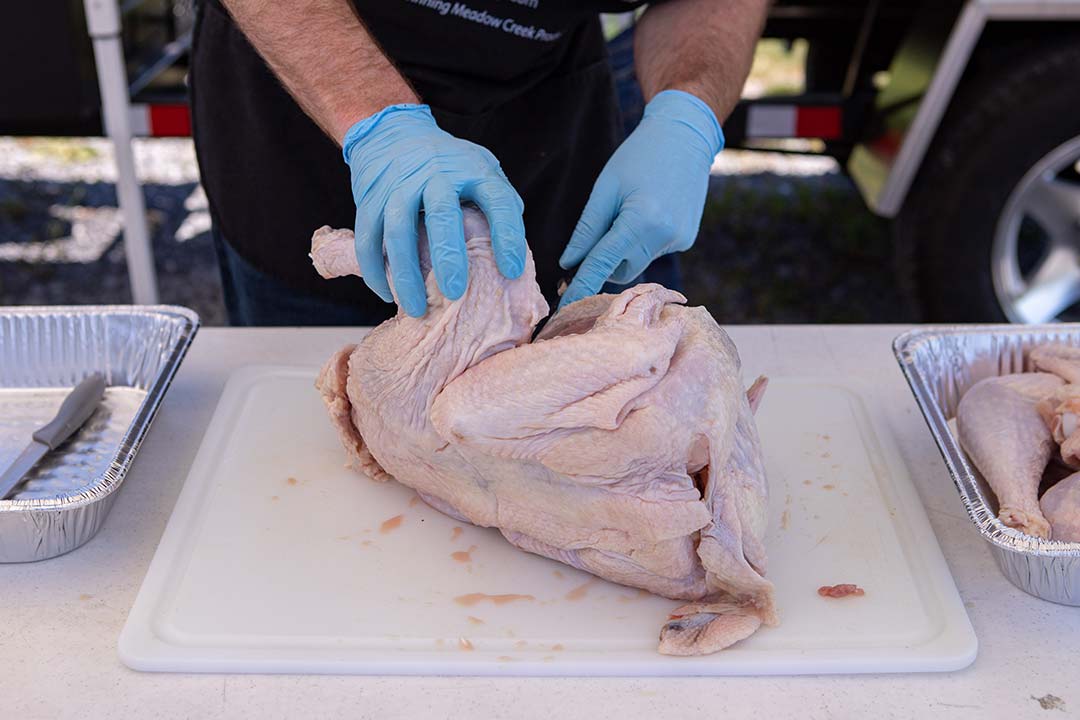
{"points": [[784, 239]]}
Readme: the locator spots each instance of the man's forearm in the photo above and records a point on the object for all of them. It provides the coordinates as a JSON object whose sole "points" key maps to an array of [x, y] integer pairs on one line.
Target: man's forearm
{"points": [[325, 57], [703, 47]]}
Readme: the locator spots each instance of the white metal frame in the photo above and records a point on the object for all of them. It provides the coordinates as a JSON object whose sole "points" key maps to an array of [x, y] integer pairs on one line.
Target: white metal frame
{"points": [[103, 23], [961, 44]]}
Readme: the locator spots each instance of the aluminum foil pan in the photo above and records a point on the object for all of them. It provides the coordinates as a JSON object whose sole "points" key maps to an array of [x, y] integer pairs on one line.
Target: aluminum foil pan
{"points": [[940, 365], [44, 352]]}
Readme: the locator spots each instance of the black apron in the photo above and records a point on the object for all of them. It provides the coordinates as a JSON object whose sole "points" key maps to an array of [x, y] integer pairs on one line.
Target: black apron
{"points": [[531, 84]]}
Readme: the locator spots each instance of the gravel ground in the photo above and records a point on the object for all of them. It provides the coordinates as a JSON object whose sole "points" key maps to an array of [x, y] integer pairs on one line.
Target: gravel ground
{"points": [[61, 232], [785, 239], [788, 239]]}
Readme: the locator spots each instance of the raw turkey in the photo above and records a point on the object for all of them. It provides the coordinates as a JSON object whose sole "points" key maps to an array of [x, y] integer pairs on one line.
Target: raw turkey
{"points": [[619, 441]]}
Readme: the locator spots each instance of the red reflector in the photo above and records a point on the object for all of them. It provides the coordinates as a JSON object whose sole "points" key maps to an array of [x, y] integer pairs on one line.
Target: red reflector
{"points": [[818, 122], [888, 145], [170, 121]]}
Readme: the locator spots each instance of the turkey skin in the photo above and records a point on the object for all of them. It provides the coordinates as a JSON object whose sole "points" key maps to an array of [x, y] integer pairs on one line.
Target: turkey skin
{"points": [[619, 440]]}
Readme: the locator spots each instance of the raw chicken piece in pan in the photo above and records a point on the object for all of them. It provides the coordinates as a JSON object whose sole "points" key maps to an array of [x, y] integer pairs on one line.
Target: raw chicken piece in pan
{"points": [[1061, 506], [1003, 432], [1061, 413], [1061, 360]]}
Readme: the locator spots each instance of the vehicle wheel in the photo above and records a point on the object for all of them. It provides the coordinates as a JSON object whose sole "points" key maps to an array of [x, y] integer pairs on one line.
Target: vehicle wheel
{"points": [[991, 230]]}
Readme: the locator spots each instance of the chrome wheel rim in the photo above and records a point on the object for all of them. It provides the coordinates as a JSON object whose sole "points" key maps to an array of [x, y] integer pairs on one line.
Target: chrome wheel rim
{"points": [[1035, 258]]}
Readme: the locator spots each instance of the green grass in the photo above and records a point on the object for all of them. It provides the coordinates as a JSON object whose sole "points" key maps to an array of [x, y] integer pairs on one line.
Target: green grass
{"points": [[778, 69]]}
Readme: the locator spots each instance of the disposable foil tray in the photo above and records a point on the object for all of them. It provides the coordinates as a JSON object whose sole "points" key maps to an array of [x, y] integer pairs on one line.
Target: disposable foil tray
{"points": [[940, 365], [44, 352]]}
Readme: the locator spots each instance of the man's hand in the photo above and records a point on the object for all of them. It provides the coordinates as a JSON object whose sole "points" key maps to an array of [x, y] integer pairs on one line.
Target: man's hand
{"points": [[401, 161], [399, 158], [649, 197]]}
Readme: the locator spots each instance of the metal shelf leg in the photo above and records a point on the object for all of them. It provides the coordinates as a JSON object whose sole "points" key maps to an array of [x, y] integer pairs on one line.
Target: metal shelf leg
{"points": [[103, 21]]}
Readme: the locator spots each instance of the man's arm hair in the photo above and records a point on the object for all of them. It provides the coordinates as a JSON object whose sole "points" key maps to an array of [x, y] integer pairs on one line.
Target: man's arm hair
{"points": [[325, 58], [703, 47]]}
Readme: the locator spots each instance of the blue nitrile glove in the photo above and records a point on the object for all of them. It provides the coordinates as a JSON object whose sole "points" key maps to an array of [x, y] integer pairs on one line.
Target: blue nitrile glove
{"points": [[649, 198], [401, 162]]}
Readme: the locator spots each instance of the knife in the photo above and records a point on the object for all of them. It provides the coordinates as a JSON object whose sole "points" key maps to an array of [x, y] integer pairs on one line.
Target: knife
{"points": [[77, 407]]}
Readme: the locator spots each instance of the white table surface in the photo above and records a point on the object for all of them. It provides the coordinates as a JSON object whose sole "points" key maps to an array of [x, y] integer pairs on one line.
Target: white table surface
{"points": [[61, 617]]}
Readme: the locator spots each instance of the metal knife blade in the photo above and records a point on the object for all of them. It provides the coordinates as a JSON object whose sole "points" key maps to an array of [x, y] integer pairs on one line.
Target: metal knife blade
{"points": [[77, 407], [18, 469]]}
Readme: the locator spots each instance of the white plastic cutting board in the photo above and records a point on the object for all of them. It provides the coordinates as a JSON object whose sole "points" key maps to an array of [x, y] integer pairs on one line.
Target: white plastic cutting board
{"points": [[278, 559]]}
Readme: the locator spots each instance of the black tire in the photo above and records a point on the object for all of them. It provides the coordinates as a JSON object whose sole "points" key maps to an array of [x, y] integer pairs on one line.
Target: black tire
{"points": [[1003, 120]]}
